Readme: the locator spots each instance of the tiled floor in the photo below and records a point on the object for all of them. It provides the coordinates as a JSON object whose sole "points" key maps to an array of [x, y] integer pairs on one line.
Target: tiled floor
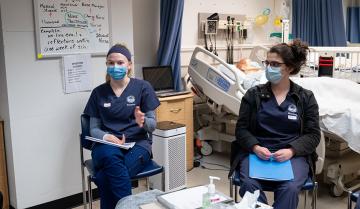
{"points": [[199, 176]]}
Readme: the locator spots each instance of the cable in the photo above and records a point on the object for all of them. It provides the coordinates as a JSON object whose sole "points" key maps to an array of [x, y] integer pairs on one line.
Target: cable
{"points": [[215, 51], [214, 164], [214, 169], [211, 44]]}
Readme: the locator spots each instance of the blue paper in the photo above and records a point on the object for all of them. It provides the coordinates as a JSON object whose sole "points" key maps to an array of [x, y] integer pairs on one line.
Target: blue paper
{"points": [[270, 170]]}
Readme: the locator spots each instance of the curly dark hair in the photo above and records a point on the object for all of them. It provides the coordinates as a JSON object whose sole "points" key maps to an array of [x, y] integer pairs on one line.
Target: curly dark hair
{"points": [[294, 54]]}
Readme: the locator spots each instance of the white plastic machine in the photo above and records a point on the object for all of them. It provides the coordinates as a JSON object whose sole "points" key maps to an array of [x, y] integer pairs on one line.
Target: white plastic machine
{"points": [[169, 150]]}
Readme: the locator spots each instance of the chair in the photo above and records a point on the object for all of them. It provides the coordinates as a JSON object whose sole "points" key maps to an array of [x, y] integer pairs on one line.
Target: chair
{"points": [[151, 169], [352, 197], [308, 185]]}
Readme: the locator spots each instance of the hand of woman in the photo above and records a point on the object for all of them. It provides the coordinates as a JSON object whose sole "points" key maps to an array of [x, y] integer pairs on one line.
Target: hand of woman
{"points": [[139, 116], [262, 152], [284, 154], [114, 139]]}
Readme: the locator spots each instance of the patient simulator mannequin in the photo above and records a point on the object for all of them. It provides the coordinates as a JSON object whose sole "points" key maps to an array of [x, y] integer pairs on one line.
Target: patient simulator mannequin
{"points": [[253, 73], [247, 66], [278, 120]]}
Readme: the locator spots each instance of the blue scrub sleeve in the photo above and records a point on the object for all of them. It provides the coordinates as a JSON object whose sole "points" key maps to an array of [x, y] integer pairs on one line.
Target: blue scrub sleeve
{"points": [[96, 132], [149, 100], [95, 128], [150, 121], [91, 108]]}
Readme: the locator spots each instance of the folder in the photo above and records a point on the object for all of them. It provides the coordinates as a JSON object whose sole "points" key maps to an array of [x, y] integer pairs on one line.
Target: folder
{"points": [[270, 170]]}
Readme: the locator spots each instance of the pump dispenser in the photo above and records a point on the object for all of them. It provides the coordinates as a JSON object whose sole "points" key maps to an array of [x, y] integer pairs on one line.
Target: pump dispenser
{"points": [[211, 187], [210, 196]]}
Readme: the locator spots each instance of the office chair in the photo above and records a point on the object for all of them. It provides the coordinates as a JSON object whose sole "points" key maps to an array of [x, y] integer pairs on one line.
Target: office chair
{"points": [[308, 185], [352, 197], [151, 169]]}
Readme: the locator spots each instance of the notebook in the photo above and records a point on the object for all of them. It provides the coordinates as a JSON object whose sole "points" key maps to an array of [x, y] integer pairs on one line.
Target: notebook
{"points": [[162, 80], [270, 170], [123, 146]]}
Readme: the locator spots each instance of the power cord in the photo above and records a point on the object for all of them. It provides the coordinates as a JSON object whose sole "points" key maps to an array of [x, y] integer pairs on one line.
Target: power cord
{"points": [[215, 169], [215, 164], [224, 168]]}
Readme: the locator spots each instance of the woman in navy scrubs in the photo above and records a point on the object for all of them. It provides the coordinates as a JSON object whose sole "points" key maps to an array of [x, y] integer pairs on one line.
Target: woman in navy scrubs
{"points": [[121, 110], [278, 121]]}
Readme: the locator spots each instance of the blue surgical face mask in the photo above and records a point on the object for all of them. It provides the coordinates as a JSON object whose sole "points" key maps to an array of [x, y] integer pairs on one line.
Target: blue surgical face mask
{"points": [[117, 72], [273, 74]]}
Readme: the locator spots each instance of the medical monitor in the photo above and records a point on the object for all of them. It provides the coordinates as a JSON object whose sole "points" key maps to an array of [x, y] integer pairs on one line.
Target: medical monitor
{"points": [[160, 77]]}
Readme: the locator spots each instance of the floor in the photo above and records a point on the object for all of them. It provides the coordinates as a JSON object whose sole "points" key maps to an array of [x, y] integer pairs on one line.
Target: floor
{"points": [[199, 176]]}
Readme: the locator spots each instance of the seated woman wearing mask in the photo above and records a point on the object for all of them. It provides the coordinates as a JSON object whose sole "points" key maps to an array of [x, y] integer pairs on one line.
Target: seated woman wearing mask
{"points": [[120, 109], [279, 119]]}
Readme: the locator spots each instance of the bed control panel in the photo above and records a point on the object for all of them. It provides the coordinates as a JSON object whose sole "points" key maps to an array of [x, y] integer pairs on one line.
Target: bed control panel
{"points": [[218, 80]]}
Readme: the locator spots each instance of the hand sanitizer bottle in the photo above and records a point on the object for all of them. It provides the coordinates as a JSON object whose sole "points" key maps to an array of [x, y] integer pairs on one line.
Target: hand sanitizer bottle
{"points": [[208, 197]]}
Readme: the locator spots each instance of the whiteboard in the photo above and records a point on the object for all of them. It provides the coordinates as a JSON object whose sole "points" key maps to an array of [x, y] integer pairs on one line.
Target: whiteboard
{"points": [[71, 26]]}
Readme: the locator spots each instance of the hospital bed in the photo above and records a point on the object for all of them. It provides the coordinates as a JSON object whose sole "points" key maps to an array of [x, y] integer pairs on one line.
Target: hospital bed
{"points": [[221, 89]]}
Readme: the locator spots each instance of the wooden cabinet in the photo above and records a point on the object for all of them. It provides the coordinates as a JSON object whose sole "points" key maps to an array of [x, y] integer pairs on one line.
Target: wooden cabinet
{"points": [[3, 173], [179, 109]]}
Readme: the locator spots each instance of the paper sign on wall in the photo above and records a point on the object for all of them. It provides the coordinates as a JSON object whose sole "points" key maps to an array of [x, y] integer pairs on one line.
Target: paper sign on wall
{"points": [[77, 73]]}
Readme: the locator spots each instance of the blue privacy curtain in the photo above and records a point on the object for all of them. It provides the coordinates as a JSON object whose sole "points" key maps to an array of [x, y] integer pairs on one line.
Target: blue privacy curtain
{"points": [[353, 24], [319, 22], [171, 12]]}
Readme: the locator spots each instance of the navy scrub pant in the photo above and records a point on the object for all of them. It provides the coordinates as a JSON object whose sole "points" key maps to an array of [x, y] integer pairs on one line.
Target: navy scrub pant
{"points": [[286, 193], [357, 204], [113, 169]]}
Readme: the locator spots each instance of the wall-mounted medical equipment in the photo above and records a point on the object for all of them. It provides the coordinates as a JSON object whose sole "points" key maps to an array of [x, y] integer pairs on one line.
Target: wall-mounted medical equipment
{"points": [[210, 31], [223, 27]]}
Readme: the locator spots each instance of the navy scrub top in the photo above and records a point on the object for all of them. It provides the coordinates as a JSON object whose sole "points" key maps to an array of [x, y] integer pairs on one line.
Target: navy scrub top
{"points": [[277, 125], [117, 113]]}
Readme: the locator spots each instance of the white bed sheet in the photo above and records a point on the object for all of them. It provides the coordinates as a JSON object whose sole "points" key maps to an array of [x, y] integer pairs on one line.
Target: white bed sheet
{"points": [[339, 106]]}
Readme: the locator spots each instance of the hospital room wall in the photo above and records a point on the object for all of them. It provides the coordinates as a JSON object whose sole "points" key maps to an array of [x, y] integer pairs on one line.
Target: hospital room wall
{"points": [[250, 8], [4, 105], [146, 27], [41, 122]]}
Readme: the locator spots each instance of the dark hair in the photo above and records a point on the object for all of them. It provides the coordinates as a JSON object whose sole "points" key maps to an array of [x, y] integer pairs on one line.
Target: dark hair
{"points": [[293, 55]]}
